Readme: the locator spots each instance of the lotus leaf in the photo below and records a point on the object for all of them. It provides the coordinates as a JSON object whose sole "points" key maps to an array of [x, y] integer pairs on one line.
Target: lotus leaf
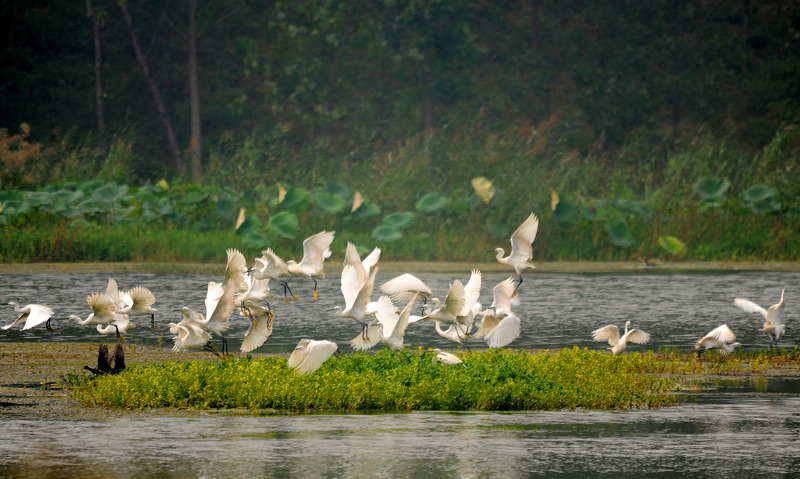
{"points": [[399, 220], [566, 212], [295, 200], [673, 245], [332, 203], [761, 199], [386, 233], [367, 210], [110, 193], [619, 233], [251, 223], [255, 240], [285, 224], [711, 188], [431, 202], [225, 208]]}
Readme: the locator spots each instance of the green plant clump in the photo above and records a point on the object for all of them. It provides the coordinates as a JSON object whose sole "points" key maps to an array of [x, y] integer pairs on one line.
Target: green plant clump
{"points": [[493, 380]]}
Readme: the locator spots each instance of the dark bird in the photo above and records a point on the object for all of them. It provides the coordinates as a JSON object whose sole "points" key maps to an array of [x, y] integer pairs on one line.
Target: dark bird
{"points": [[104, 363]]}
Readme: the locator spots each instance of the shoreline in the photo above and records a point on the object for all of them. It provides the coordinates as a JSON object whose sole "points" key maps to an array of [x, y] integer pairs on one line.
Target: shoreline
{"points": [[422, 268]]}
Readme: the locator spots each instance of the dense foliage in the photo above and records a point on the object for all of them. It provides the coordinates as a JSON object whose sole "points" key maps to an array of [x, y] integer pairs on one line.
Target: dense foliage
{"points": [[386, 381]]}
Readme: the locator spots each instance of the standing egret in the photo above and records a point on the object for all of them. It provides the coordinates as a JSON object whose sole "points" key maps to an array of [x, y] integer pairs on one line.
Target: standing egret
{"points": [[316, 249], [104, 312], [773, 317], [309, 355], [260, 329], [271, 266], [445, 358], [618, 344], [521, 248], [720, 338], [499, 325], [104, 362], [32, 314]]}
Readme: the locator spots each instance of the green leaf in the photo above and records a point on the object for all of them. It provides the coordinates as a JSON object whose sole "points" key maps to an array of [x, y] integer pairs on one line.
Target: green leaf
{"points": [[712, 189], [498, 230], [567, 212], [225, 207], [399, 220], [296, 199], [386, 233], [431, 202], [673, 245], [761, 199], [336, 188], [285, 224], [619, 233], [110, 193], [251, 223], [255, 240], [367, 210], [329, 202]]}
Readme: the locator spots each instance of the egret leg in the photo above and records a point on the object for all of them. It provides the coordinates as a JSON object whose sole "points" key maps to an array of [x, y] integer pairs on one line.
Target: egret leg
{"points": [[211, 349], [286, 289], [48, 326], [517, 287], [153, 323], [120, 338], [315, 289]]}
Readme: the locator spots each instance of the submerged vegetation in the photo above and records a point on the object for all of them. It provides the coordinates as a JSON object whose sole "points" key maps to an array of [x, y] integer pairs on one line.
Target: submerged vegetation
{"points": [[493, 380]]}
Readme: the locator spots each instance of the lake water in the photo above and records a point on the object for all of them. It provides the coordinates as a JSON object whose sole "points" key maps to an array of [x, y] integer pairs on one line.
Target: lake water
{"points": [[748, 428], [557, 310]]}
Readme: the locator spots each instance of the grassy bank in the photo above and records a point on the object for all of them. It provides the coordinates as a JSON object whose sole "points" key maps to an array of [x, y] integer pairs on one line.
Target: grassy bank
{"points": [[493, 380]]}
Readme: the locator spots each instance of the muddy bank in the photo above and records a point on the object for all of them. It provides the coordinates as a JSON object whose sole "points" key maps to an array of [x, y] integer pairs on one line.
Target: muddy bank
{"points": [[31, 373], [488, 267]]}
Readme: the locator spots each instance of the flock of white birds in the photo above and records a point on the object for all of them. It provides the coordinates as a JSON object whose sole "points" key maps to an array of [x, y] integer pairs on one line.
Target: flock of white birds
{"points": [[384, 320]]}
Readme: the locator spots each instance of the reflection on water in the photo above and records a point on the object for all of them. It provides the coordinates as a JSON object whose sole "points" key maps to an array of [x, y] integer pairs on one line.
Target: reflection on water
{"points": [[743, 437], [558, 310]]}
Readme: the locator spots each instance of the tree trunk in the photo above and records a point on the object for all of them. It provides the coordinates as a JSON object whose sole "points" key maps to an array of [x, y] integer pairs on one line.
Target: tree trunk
{"points": [[195, 145], [162, 112], [98, 81]]}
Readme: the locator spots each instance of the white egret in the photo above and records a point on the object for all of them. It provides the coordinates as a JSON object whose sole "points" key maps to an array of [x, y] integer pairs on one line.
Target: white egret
{"points": [[404, 287], [104, 312], [191, 334], [316, 249], [720, 338], [618, 344], [362, 267], [104, 362], [459, 331], [309, 355], [445, 358], [261, 321], [271, 266], [122, 324], [452, 307], [773, 317], [32, 314], [136, 302], [356, 297], [499, 325], [394, 325], [220, 303], [521, 248], [235, 270]]}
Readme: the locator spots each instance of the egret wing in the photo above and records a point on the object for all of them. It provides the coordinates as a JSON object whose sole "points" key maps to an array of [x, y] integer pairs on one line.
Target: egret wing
{"points": [[297, 355], [141, 298], [316, 248], [101, 304], [39, 314], [455, 299], [235, 269], [507, 331], [472, 292], [638, 336], [371, 259], [749, 306], [721, 333], [373, 337], [502, 294], [608, 333], [318, 353], [522, 239]]}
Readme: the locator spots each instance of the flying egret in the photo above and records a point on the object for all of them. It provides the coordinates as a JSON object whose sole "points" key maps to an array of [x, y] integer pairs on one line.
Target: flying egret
{"points": [[362, 267], [384, 312], [257, 290], [356, 298], [136, 302], [393, 326], [499, 325], [104, 362], [191, 335], [271, 266], [235, 270], [121, 324], [521, 248], [316, 248], [220, 303], [773, 317], [309, 355], [618, 344], [445, 358], [32, 314], [261, 321], [720, 338], [404, 287], [458, 309], [104, 312]]}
